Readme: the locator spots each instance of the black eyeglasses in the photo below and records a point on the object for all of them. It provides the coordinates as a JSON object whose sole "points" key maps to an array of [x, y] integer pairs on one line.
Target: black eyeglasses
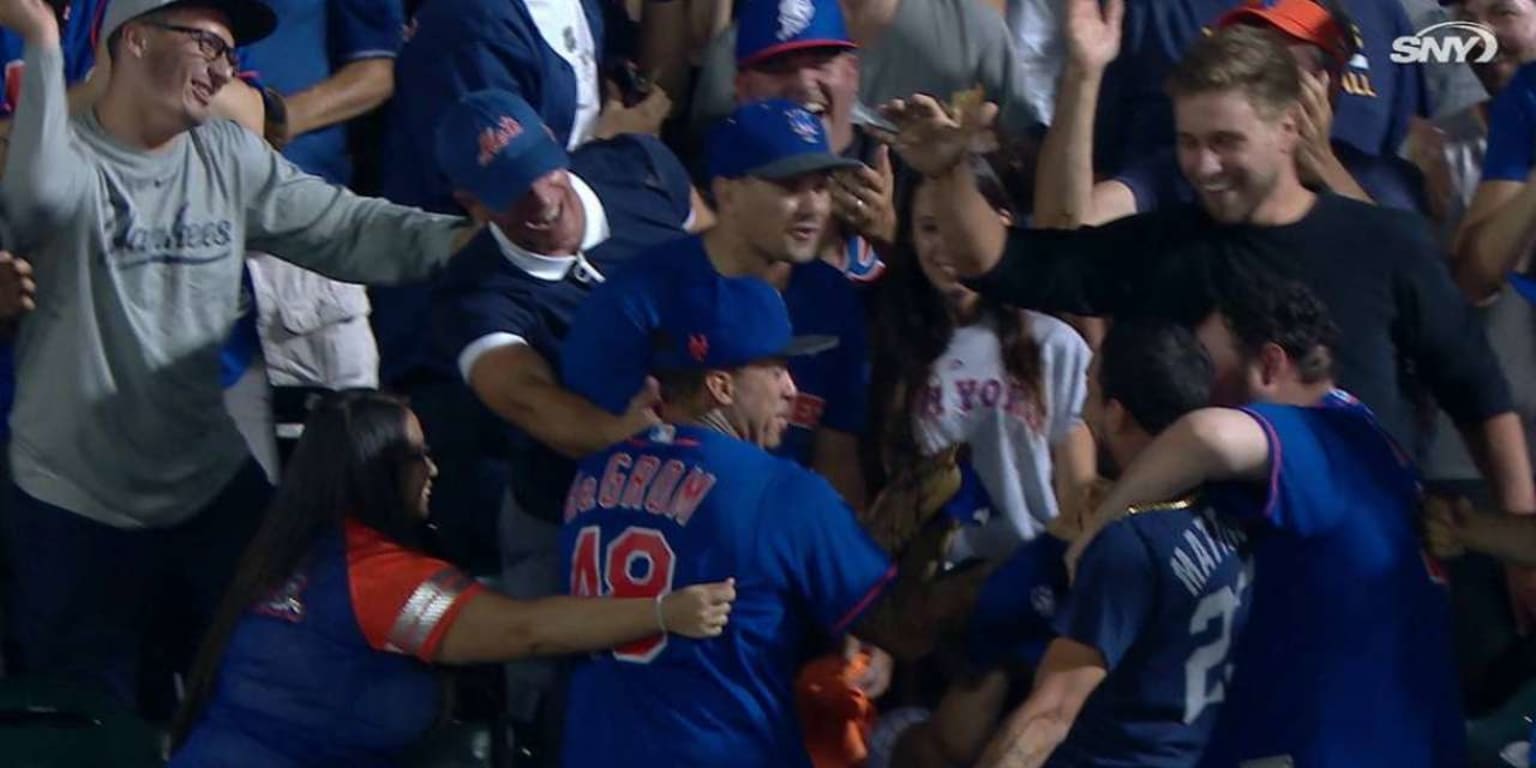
{"points": [[211, 46]]}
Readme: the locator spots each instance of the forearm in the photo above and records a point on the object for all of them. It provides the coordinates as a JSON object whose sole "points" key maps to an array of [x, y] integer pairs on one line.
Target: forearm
{"points": [[356, 89], [1212, 444], [663, 46], [1506, 537], [1495, 246], [973, 230], [556, 417], [1497, 446], [494, 628], [1064, 179], [1036, 739]]}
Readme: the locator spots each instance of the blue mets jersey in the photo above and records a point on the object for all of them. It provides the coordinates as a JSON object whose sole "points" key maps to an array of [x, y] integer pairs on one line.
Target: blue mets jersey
{"points": [[1347, 659], [1162, 594], [607, 353], [686, 505]]}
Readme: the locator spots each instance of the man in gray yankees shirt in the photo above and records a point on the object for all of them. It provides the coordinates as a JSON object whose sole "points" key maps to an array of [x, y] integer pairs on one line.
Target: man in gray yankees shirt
{"points": [[133, 487]]}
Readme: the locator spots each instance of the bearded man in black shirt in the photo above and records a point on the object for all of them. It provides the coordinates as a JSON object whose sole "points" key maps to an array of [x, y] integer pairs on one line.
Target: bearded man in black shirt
{"points": [[1379, 271]]}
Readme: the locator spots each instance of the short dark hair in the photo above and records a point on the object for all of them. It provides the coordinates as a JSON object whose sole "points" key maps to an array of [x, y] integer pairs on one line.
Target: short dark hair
{"points": [[1157, 369], [1262, 307], [678, 385], [1253, 60]]}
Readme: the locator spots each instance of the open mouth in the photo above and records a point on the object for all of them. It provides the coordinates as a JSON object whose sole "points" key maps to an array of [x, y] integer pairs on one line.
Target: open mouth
{"points": [[543, 222], [816, 108], [203, 93]]}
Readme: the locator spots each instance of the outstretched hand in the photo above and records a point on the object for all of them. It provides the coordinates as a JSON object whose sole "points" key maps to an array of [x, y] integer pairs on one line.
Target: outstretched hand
{"points": [[699, 611], [934, 138]]}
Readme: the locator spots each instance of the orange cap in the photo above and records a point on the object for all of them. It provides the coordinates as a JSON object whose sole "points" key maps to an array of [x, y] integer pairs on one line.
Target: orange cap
{"points": [[1303, 20]]}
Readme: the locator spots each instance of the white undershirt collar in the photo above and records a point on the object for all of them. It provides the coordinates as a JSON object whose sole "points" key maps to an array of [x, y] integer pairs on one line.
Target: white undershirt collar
{"points": [[555, 268]]}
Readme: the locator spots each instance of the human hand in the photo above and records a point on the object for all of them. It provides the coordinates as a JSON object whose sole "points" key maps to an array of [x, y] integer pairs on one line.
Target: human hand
{"points": [[644, 118], [699, 611], [876, 679], [1093, 32], [18, 292], [933, 138], [864, 198], [1314, 123]]}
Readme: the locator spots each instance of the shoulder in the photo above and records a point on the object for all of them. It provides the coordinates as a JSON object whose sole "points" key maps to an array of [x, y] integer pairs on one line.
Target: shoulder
{"points": [[620, 156], [1395, 233], [223, 136], [1054, 336], [824, 284], [1119, 547]]}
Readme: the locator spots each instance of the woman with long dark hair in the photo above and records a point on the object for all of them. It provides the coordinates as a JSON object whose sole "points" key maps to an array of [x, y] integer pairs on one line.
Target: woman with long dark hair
{"points": [[954, 369], [322, 651]]}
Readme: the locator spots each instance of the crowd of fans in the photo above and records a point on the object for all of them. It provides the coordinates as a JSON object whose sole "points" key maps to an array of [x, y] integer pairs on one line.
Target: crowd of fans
{"points": [[849, 382]]}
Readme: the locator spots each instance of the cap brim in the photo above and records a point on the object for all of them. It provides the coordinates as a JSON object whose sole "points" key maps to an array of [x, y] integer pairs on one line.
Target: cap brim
{"points": [[249, 20], [1285, 25], [803, 346], [799, 165], [797, 45], [1524, 285]]}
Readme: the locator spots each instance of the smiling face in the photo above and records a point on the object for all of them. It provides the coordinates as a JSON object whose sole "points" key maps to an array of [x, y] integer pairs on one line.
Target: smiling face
{"points": [[184, 57], [419, 470], [781, 220], [1514, 27], [1232, 155], [548, 220], [825, 81]]}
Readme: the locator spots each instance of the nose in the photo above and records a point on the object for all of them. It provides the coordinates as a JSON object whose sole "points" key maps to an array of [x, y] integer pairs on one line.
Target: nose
{"points": [[790, 391], [1204, 163], [546, 190], [431, 468]]}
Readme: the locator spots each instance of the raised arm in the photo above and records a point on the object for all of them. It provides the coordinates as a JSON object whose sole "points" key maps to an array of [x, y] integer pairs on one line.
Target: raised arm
{"points": [[1064, 188], [45, 175]]}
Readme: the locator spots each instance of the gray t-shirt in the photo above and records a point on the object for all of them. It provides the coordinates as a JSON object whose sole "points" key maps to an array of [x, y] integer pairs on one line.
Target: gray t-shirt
{"points": [[118, 413], [937, 47]]}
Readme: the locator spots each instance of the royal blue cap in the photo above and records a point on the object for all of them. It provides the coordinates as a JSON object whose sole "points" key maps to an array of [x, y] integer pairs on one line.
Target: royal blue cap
{"points": [[767, 28], [719, 323], [493, 145], [773, 139], [1523, 285]]}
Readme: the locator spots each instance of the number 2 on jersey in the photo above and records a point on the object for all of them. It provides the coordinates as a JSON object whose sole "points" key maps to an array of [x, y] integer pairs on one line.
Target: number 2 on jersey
{"points": [[637, 563], [1199, 692]]}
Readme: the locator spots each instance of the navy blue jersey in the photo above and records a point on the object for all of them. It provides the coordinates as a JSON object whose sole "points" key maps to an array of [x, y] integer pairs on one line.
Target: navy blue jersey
{"points": [[607, 354], [1347, 660], [1017, 605], [1162, 594], [1135, 117], [687, 505], [643, 192], [315, 39]]}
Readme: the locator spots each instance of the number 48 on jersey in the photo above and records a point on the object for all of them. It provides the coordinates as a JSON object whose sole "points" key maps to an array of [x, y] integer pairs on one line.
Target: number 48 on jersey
{"points": [[637, 563]]}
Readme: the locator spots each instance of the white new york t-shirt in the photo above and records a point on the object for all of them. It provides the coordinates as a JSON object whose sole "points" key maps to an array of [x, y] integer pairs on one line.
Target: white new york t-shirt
{"points": [[971, 399]]}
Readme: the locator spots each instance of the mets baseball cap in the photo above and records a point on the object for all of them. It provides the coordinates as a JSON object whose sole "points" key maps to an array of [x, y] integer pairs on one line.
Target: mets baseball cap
{"points": [[1304, 20], [767, 28], [774, 139], [719, 323], [493, 145], [249, 20]]}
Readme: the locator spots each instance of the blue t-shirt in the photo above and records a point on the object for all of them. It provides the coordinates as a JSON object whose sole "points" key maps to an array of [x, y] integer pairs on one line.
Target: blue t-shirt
{"points": [[315, 39], [1512, 129], [607, 354], [1347, 658], [1017, 605], [1135, 116], [686, 505], [644, 193], [1162, 595]]}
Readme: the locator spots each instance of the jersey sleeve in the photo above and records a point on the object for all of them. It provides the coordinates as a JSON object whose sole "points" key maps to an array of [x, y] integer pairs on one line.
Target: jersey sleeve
{"points": [[811, 538], [404, 601], [1302, 493], [1114, 594], [366, 29], [465, 317], [607, 351], [1512, 131]]}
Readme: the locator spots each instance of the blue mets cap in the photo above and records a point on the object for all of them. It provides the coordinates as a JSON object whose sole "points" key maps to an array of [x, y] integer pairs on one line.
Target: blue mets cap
{"points": [[767, 28], [774, 139], [493, 145], [719, 323]]}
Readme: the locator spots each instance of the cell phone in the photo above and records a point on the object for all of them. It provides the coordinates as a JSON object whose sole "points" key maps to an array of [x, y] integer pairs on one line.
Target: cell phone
{"points": [[633, 87]]}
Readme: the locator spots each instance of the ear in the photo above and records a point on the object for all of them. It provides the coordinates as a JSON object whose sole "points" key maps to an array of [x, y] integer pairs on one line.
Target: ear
{"points": [[721, 387], [1006, 217], [134, 40], [1273, 363]]}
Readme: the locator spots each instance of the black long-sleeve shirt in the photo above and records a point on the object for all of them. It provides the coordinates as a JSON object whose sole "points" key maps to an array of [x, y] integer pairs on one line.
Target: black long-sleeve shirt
{"points": [[1378, 271]]}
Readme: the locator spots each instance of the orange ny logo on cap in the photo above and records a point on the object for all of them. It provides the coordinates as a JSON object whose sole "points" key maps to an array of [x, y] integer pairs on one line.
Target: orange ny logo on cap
{"points": [[698, 347], [496, 138]]}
